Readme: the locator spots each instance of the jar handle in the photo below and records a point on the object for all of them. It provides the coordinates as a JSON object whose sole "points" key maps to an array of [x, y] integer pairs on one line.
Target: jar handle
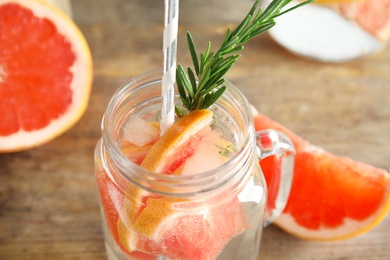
{"points": [[276, 148]]}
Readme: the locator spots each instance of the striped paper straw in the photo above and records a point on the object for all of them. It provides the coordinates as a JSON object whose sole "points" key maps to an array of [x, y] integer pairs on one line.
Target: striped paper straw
{"points": [[169, 76]]}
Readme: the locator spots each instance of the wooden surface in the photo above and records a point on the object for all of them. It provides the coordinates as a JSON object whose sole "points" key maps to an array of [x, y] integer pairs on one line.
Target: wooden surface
{"points": [[48, 198]]}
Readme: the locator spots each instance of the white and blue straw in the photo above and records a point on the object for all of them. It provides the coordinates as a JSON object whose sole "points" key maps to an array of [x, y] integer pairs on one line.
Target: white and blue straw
{"points": [[169, 74]]}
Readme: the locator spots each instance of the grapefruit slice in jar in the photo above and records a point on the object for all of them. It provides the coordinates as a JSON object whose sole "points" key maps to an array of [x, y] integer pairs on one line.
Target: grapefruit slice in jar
{"points": [[112, 199], [332, 197], [45, 74], [176, 227], [176, 144]]}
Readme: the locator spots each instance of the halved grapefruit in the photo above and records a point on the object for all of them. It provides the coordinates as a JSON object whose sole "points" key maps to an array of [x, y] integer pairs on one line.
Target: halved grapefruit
{"points": [[45, 74], [332, 197]]}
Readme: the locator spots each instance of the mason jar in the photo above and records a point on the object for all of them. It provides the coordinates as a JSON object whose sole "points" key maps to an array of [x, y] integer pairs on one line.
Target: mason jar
{"points": [[215, 214]]}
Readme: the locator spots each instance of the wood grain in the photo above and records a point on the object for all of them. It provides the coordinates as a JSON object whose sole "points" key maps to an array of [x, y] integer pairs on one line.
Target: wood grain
{"points": [[48, 196]]}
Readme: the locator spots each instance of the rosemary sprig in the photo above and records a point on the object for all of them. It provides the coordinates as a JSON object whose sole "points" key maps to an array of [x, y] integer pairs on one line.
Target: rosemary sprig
{"points": [[200, 89]]}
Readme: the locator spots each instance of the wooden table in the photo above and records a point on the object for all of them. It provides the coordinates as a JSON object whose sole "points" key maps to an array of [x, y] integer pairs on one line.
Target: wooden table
{"points": [[48, 197]]}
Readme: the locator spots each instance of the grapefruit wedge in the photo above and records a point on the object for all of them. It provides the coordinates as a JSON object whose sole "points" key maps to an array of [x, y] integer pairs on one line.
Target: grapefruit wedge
{"points": [[176, 227], [45, 74], [332, 197]]}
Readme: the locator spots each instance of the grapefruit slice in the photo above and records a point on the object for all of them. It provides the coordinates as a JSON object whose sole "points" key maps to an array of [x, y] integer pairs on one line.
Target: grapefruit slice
{"points": [[112, 202], [332, 197], [166, 148], [170, 226], [195, 232], [45, 74]]}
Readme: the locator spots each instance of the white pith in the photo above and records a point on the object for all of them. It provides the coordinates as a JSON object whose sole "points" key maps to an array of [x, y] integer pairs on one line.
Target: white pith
{"points": [[349, 228]]}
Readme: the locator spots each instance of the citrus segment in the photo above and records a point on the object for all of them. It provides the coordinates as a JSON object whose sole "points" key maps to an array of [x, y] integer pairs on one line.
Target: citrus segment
{"points": [[111, 201], [133, 205], [152, 217], [185, 233], [203, 234], [331, 197], [45, 74]]}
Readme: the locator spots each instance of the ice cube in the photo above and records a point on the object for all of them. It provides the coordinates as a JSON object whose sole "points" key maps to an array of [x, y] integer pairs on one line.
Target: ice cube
{"points": [[207, 156], [140, 132]]}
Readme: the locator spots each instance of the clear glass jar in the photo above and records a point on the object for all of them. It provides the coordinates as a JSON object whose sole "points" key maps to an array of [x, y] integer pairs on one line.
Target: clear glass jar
{"points": [[216, 214]]}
